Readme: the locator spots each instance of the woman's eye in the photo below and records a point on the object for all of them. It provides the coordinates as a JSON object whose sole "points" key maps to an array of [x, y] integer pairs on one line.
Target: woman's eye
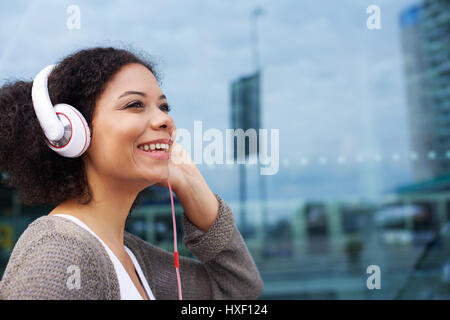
{"points": [[166, 107], [136, 104]]}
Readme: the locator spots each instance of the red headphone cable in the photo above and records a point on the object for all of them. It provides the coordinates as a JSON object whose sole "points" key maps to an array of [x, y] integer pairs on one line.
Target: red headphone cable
{"points": [[175, 253]]}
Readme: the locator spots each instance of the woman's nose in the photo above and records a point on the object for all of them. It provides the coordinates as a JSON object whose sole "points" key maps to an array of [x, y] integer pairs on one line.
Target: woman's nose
{"points": [[161, 120]]}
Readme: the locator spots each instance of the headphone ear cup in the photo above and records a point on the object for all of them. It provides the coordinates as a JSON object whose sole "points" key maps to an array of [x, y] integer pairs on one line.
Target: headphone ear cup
{"points": [[77, 135]]}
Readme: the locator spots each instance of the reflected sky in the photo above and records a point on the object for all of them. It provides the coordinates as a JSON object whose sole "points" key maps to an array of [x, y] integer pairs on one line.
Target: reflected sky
{"points": [[335, 89]]}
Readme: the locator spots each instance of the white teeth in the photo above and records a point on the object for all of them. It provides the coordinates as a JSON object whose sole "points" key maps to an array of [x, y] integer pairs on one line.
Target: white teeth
{"points": [[155, 147]]}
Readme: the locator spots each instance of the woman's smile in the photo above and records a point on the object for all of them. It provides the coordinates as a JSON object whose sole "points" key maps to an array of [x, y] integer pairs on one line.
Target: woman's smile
{"points": [[157, 149], [162, 154]]}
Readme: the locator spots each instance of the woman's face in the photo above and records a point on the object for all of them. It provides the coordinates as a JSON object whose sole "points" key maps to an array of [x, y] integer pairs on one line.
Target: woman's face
{"points": [[131, 111]]}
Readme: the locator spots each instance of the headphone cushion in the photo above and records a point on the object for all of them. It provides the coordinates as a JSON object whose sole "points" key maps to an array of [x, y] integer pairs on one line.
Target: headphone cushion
{"points": [[80, 137]]}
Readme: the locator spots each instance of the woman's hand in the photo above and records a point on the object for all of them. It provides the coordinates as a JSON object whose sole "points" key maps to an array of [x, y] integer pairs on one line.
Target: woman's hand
{"points": [[198, 201], [180, 167]]}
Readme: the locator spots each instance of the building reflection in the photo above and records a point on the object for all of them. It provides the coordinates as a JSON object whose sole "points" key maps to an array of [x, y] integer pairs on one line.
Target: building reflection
{"points": [[321, 249]]}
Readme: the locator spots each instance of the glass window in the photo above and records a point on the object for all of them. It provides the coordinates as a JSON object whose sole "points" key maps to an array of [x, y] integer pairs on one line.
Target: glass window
{"points": [[350, 110]]}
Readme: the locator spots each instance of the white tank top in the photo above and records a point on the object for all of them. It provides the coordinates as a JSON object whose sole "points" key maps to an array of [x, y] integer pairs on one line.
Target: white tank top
{"points": [[128, 290]]}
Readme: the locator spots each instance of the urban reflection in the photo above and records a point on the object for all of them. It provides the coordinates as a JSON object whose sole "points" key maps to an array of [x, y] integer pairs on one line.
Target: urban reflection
{"points": [[312, 245]]}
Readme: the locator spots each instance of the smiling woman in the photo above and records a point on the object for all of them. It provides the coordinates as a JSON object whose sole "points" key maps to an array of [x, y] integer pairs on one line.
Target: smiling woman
{"points": [[132, 147]]}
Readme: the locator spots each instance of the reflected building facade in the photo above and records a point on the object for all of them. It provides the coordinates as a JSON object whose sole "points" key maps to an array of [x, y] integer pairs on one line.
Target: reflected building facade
{"points": [[426, 48]]}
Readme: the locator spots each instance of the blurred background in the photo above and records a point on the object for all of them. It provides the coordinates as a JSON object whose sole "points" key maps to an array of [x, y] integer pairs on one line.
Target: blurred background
{"points": [[359, 91]]}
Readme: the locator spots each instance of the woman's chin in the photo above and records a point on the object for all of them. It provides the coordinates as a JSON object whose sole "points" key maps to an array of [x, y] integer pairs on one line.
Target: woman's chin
{"points": [[157, 179]]}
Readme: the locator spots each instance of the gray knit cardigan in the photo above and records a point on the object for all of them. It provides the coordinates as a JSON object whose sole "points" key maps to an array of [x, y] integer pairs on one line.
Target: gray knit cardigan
{"points": [[39, 264]]}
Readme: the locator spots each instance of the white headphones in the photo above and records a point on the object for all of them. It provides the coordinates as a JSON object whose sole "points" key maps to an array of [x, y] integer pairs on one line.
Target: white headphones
{"points": [[64, 126]]}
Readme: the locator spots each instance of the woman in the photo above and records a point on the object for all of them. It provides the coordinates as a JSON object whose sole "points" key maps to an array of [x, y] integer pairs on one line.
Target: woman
{"points": [[83, 237]]}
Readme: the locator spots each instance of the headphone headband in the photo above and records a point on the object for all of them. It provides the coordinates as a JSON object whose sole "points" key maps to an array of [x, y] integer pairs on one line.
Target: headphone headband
{"points": [[45, 112], [65, 128]]}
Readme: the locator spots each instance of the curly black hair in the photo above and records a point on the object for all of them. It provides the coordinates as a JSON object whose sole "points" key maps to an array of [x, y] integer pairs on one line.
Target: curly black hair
{"points": [[26, 162]]}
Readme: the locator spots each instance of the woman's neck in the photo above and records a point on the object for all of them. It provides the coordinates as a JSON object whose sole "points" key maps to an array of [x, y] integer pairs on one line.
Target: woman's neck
{"points": [[105, 215], [108, 210]]}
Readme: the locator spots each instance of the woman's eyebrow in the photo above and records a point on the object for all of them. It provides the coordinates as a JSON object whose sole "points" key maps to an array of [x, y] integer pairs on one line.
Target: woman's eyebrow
{"points": [[126, 93]]}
